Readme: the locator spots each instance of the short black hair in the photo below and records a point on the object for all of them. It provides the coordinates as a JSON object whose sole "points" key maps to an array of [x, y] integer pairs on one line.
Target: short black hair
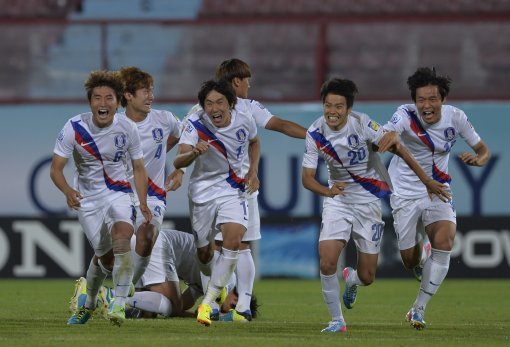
{"points": [[339, 86], [426, 76], [221, 86]]}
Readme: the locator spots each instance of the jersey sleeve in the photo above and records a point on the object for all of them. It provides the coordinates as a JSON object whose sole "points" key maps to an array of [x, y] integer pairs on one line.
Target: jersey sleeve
{"points": [[372, 131], [135, 146], [398, 121], [311, 155], [189, 134], [175, 125], [252, 128], [466, 130], [260, 113], [65, 141]]}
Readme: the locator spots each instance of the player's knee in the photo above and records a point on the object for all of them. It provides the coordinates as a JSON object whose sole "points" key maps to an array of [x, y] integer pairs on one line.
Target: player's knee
{"points": [[367, 277], [328, 267]]}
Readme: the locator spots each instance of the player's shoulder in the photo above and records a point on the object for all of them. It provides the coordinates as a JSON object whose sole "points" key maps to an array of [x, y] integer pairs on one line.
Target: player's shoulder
{"points": [[247, 104], [164, 117], [318, 125]]}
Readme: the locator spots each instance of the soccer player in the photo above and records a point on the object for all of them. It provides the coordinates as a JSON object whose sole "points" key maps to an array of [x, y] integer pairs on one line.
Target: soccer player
{"points": [[237, 72], [218, 139], [100, 142], [357, 182], [159, 132], [173, 259], [429, 129]]}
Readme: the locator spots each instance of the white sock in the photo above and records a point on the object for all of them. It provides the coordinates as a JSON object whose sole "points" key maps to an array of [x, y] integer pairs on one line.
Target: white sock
{"points": [[434, 273], [221, 273], [331, 294], [139, 265], [245, 272], [151, 302], [122, 276], [95, 278], [354, 278], [205, 270]]}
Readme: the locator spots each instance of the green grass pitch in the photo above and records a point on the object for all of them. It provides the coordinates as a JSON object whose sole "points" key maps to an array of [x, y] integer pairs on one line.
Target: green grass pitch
{"points": [[463, 313]]}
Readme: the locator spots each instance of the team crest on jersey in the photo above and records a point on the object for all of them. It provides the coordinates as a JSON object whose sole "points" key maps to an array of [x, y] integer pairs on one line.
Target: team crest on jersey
{"points": [[120, 141], [241, 135], [353, 141], [395, 118], [373, 125], [157, 134], [449, 134]]}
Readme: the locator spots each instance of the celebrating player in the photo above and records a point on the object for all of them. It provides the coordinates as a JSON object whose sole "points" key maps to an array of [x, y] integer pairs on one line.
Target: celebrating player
{"points": [[429, 129], [218, 139], [100, 142], [357, 182]]}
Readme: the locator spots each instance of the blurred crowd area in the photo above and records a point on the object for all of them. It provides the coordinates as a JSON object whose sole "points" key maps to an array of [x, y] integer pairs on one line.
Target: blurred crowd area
{"points": [[292, 46]]}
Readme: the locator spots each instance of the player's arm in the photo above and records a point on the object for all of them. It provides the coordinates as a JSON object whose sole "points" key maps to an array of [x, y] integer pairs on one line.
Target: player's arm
{"points": [[433, 187], [286, 127], [141, 184], [171, 142], [187, 154], [310, 183], [57, 176], [480, 159], [252, 179]]}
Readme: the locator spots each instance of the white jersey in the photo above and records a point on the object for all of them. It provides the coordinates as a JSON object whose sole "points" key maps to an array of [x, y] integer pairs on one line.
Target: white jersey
{"points": [[349, 157], [100, 156], [154, 131], [429, 144], [218, 172], [260, 114]]}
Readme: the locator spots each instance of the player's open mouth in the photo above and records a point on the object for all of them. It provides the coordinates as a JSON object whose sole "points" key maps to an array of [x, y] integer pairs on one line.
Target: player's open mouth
{"points": [[102, 112]]}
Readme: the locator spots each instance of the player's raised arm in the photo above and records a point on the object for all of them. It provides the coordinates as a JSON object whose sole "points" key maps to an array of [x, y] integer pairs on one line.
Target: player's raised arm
{"points": [[480, 159]]}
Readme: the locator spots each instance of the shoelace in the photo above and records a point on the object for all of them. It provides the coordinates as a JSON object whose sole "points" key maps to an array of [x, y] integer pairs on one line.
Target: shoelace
{"points": [[83, 311]]}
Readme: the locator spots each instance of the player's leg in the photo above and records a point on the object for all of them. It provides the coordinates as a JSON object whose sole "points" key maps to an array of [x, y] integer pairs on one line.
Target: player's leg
{"points": [[245, 270], [146, 235], [368, 229], [121, 216], [92, 222], [334, 235], [161, 298], [440, 224], [409, 229]]}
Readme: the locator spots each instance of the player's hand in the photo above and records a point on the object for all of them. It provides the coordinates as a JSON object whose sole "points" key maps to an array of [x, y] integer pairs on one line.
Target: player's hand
{"points": [[389, 140], [146, 212], [200, 148], [73, 199], [174, 180], [469, 159], [336, 189], [252, 182], [439, 189]]}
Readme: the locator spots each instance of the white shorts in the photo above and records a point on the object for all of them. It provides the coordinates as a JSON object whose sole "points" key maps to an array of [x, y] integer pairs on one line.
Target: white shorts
{"points": [[411, 215], [364, 221], [161, 267], [157, 208], [207, 218], [97, 224], [253, 230]]}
